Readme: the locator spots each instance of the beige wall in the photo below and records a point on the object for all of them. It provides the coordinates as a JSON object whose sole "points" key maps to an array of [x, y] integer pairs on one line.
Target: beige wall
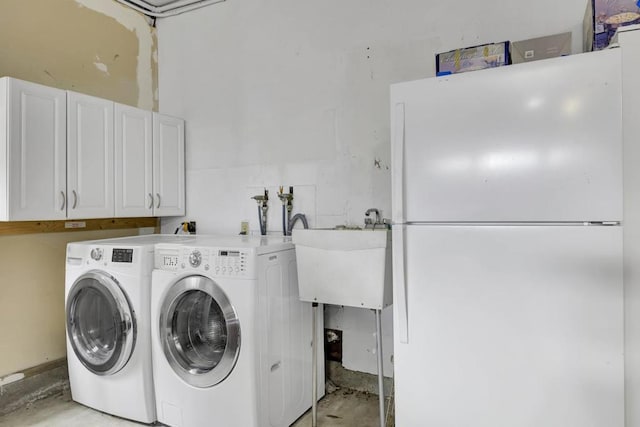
{"points": [[98, 47]]}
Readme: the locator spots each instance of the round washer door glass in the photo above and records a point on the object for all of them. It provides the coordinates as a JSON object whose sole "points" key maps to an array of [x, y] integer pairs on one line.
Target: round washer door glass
{"points": [[200, 331], [100, 323]]}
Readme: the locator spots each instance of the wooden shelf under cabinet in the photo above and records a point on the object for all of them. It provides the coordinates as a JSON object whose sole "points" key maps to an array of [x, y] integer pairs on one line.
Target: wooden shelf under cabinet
{"points": [[29, 227]]}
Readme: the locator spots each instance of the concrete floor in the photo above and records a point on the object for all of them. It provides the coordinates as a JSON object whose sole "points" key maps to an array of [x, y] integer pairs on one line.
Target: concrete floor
{"points": [[342, 408]]}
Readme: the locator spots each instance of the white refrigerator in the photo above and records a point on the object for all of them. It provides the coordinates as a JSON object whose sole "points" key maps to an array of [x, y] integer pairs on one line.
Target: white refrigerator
{"points": [[507, 246]]}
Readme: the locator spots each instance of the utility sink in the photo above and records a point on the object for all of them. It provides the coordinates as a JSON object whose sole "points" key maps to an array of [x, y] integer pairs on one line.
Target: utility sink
{"points": [[344, 266]]}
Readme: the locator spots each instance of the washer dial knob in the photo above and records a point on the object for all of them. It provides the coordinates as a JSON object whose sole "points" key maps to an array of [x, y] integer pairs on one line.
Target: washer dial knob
{"points": [[195, 259], [96, 254]]}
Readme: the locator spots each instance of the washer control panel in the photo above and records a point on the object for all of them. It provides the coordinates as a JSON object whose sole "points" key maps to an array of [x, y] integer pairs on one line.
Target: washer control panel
{"points": [[195, 258], [96, 254], [214, 261], [167, 259], [122, 255], [102, 256], [229, 263]]}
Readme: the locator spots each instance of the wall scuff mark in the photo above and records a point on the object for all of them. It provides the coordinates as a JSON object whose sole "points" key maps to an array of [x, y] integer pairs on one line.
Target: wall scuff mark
{"points": [[101, 66], [50, 75]]}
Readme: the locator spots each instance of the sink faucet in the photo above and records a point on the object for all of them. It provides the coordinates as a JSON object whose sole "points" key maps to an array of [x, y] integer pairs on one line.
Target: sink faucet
{"points": [[368, 222]]}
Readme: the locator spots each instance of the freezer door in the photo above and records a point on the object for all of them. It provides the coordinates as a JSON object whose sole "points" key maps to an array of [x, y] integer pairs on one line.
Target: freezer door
{"points": [[540, 141], [511, 326]]}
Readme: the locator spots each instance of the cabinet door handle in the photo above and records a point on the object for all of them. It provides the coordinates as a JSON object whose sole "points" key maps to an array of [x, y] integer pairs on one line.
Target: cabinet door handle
{"points": [[158, 196], [64, 200], [75, 199], [150, 201]]}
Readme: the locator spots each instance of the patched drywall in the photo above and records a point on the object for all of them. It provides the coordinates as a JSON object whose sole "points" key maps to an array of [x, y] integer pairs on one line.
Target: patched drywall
{"points": [[97, 47]]}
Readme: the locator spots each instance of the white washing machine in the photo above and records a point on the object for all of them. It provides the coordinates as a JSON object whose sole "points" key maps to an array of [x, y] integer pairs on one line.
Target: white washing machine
{"points": [[231, 340], [107, 295]]}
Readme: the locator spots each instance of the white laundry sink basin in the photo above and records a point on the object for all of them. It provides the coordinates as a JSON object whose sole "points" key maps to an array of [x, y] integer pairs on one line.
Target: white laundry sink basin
{"points": [[344, 267]]}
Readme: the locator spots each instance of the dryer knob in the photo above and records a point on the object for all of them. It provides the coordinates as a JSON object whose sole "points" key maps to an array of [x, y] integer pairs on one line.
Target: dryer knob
{"points": [[195, 258], [96, 254]]}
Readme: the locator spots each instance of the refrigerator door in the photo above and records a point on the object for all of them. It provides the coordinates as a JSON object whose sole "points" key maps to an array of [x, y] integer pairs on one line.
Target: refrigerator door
{"points": [[540, 141], [511, 326]]}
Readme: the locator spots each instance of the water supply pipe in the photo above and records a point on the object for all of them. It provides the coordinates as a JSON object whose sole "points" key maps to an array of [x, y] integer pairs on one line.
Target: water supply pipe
{"points": [[261, 221], [287, 207], [263, 206], [284, 220]]}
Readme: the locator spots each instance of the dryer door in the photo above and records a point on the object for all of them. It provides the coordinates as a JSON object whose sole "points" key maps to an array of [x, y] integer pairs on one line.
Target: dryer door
{"points": [[199, 331], [100, 323]]}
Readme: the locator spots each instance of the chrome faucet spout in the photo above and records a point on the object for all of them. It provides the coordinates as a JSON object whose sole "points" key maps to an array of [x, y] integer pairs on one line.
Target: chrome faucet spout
{"points": [[376, 211], [368, 222]]}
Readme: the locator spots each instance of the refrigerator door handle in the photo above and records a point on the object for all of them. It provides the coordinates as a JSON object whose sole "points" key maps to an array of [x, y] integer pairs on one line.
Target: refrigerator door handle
{"points": [[399, 284], [397, 177]]}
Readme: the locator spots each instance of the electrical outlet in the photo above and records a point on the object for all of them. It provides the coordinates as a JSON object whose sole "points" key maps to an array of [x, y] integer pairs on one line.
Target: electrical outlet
{"points": [[244, 228], [191, 227]]}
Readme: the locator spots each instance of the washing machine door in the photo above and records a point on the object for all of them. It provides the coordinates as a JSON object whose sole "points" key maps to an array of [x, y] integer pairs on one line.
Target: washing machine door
{"points": [[101, 325], [199, 331]]}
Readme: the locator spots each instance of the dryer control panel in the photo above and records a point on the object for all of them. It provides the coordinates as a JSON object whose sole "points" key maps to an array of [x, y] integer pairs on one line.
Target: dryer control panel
{"points": [[213, 261]]}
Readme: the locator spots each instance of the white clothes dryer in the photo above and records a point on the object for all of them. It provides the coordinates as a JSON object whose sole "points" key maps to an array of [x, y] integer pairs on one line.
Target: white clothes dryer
{"points": [[107, 296], [231, 340]]}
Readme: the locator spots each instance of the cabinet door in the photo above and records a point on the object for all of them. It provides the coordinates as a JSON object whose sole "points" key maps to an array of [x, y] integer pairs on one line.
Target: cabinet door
{"points": [[37, 144], [89, 156], [168, 165], [133, 162]]}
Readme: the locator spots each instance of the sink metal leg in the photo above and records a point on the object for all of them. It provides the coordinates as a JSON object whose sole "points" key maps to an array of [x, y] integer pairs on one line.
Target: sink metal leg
{"points": [[314, 364], [380, 371]]}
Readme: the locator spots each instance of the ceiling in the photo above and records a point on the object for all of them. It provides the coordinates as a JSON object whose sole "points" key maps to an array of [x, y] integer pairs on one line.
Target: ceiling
{"points": [[164, 8]]}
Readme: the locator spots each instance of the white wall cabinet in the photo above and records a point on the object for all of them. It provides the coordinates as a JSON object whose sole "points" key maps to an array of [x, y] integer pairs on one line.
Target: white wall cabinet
{"points": [[168, 165], [90, 148], [133, 162], [149, 163], [66, 155], [32, 151]]}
